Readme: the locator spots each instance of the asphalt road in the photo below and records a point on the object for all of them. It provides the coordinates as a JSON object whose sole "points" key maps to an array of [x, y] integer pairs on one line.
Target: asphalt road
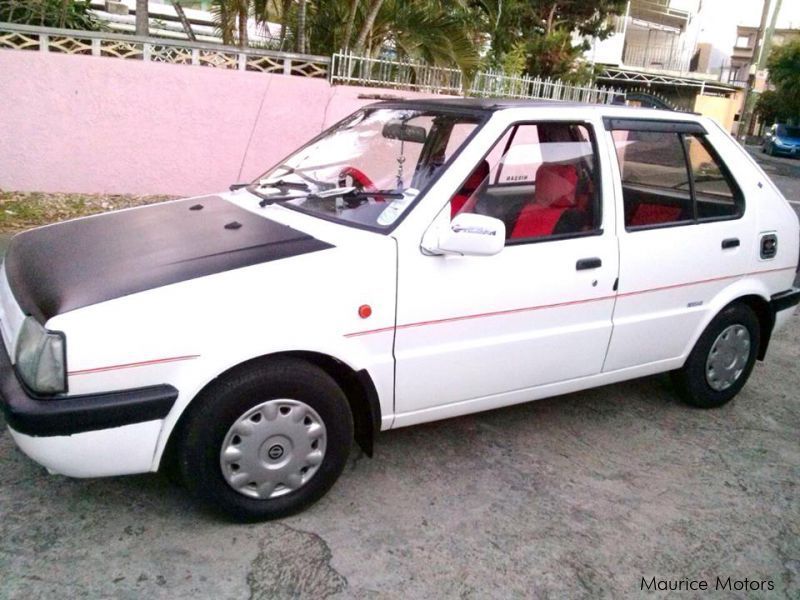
{"points": [[574, 497]]}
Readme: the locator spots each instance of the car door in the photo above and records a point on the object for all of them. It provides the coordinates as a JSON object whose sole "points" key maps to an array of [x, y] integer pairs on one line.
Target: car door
{"points": [[479, 332], [683, 237]]}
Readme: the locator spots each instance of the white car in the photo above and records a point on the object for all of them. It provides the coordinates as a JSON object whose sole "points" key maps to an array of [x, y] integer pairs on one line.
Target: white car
{"points": [[417, 261]]}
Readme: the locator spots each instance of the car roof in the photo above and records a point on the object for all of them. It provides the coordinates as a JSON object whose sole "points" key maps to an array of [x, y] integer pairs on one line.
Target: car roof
{"points": [[498, 104]]}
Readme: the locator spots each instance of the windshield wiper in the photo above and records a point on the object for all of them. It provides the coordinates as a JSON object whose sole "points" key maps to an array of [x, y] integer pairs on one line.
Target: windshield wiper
{"points": [[283, 187], [351, 193]]}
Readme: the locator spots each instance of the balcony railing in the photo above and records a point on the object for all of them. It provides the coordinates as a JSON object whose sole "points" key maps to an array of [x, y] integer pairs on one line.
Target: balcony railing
{"points": [[663, 58]]}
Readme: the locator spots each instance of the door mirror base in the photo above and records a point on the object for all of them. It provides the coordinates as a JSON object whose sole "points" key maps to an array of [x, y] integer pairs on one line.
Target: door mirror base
{"points": [[466, 235]]}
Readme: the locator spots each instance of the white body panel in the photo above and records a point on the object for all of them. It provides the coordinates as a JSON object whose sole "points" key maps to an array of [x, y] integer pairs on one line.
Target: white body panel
{"points": [[119, 451], [448, 335]]}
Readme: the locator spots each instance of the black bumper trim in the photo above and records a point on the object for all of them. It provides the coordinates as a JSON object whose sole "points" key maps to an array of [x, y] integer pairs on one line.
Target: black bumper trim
{"points": [[784, 300], [81, 413]]}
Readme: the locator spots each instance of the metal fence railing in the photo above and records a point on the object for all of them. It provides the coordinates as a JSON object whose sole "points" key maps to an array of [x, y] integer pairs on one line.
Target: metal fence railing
{"points": [[342, 68], [102, 43], [348, 68]]}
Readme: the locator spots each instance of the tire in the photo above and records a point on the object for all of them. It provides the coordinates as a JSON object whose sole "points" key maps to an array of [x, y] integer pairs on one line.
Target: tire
{"points": [[303, 419], [709, 382]]}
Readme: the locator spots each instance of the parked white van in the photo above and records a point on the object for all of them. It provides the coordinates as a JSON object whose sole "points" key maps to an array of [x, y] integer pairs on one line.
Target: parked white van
{"points": [[417, 261]]}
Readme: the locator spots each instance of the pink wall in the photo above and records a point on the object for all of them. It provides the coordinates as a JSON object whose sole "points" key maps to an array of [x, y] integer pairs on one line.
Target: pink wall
{"points": [[103, 125]]}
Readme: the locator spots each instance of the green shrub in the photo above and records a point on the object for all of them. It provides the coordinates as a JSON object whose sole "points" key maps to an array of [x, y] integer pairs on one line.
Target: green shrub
{"points": [[67, 14]]}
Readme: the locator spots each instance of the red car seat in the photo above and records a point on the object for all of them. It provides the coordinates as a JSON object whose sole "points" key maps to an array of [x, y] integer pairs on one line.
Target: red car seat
{"points": [[555, 193], [472, 183], [651, 214]]}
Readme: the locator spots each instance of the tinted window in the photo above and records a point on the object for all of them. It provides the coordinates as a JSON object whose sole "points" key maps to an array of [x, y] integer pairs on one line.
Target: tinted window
{"points": [[673, 178], [715, 192], [790, 132], [539, 179], [655, 179]]}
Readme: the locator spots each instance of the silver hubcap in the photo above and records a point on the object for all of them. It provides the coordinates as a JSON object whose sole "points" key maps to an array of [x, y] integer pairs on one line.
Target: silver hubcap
{"points": [[273, 449], [728, 357]]}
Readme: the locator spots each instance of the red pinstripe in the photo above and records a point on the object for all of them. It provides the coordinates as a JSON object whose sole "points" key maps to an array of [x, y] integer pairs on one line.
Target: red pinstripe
{"points": [[145, 363], [560, 304]]}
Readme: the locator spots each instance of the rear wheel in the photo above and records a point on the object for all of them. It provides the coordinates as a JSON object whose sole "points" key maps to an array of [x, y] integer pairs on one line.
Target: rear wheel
{"points": [[267, 441], [722, 360]]}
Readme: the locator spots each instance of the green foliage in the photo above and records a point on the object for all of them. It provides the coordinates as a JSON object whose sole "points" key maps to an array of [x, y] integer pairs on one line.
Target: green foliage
{"points": [[772, 107], [784, 66], [532, 37], [783, 103], [545, 28], [67, 14]]}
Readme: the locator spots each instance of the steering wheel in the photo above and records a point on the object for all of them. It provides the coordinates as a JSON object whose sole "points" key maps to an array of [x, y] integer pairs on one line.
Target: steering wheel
{"points": [[360, 180]]}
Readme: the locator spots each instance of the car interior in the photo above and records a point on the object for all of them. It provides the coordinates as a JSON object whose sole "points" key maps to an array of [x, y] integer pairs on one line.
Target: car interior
{"points": [[660, 170], [538, 180]]}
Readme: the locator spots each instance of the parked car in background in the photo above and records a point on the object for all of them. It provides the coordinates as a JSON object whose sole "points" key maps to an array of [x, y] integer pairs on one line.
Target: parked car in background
{"points": [[419, 260], [781, 140]]}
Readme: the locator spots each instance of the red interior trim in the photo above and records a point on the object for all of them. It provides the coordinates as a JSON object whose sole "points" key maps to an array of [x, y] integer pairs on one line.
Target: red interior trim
{"points": [[559, 304], [145, 363]]}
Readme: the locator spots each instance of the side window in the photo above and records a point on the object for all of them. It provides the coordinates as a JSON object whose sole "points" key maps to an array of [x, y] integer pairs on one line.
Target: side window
{"points": [[539, 179], [672, 178], [655, 180], [716, 193]]}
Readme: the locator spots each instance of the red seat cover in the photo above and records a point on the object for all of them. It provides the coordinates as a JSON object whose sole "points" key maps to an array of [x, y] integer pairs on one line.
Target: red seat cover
{"points": [[651, 214], [555, 193], [472, 183]]}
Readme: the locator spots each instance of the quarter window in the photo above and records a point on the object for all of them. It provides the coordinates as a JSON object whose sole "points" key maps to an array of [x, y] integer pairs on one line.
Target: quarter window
{"points": [[671, 178], [539, 179]]}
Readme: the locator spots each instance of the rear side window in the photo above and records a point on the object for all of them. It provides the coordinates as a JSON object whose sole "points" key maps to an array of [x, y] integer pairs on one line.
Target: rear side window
{"points": [[673, 178], [716, 195]]}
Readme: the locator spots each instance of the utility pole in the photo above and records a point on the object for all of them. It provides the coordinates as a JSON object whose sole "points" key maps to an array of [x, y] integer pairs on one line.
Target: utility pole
{"points": [[747, 113]]}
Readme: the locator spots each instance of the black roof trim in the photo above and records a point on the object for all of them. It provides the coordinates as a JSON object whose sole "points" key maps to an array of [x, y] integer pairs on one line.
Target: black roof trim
{"points": [[662, 125]]}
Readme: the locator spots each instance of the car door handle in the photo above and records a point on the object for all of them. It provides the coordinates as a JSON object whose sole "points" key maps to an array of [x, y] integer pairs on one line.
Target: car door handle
{"points": [[730, 243], [588, 263]]}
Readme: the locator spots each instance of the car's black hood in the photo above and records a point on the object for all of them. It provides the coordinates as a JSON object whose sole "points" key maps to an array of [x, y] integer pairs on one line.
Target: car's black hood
{"points": [[70, 265]]}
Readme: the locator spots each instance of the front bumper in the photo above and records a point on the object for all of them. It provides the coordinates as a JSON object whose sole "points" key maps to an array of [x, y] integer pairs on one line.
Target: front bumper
{"points": [[36, 416]]}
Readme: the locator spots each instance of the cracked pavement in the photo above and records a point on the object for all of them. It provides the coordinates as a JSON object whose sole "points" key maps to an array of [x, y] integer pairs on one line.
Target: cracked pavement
{"points": [[579, 496]]}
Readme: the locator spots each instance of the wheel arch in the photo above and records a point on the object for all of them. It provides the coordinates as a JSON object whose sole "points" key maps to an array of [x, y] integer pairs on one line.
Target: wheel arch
{"points": [[749, 291], [358, 387], [766, 320]]}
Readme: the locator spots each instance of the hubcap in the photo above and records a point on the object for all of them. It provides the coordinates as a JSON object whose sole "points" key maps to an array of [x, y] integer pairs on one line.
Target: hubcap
{"points": [[273, 449], [728, 357]]}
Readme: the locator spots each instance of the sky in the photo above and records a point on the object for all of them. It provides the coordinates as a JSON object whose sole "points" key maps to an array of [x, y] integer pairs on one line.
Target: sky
{"points": [[719, 19]]}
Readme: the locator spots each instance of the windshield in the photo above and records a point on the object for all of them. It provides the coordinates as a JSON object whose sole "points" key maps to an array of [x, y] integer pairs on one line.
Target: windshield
{"points": [[788, 132], [369, 168]]}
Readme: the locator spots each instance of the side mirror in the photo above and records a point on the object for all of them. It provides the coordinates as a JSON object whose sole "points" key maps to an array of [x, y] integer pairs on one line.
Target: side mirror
{"points": [[472, 235]]}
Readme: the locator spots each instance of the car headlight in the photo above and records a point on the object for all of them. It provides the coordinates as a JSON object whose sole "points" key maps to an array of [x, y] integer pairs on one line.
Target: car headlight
{"points": [[41, 358]]}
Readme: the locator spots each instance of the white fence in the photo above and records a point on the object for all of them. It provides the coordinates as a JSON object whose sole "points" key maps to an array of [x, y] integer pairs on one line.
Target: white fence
{"points": [[348, 68], [342, 68], [100, 43]]}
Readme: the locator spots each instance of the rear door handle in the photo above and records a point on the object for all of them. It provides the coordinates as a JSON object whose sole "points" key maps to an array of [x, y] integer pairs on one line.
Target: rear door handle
{"points": [[730, 243], [588, 263]]}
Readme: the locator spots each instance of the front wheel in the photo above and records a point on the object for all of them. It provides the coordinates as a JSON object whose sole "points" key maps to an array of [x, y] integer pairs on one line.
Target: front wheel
{"points": [[722, 359], [267, 441]]}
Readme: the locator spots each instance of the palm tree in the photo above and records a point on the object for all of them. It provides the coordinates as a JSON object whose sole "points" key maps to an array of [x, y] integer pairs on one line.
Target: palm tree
{"points": [[142, 18], [366, 28], [351, 23], [300, 34]]}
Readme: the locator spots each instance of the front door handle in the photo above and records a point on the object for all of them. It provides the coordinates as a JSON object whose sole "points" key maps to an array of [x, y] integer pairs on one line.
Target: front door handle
{"points": [[730, 243], [588, 263]]}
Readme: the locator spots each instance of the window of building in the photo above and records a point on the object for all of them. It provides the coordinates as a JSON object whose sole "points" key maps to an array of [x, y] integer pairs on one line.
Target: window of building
{"points": [[539, 179], [743, 41]]}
